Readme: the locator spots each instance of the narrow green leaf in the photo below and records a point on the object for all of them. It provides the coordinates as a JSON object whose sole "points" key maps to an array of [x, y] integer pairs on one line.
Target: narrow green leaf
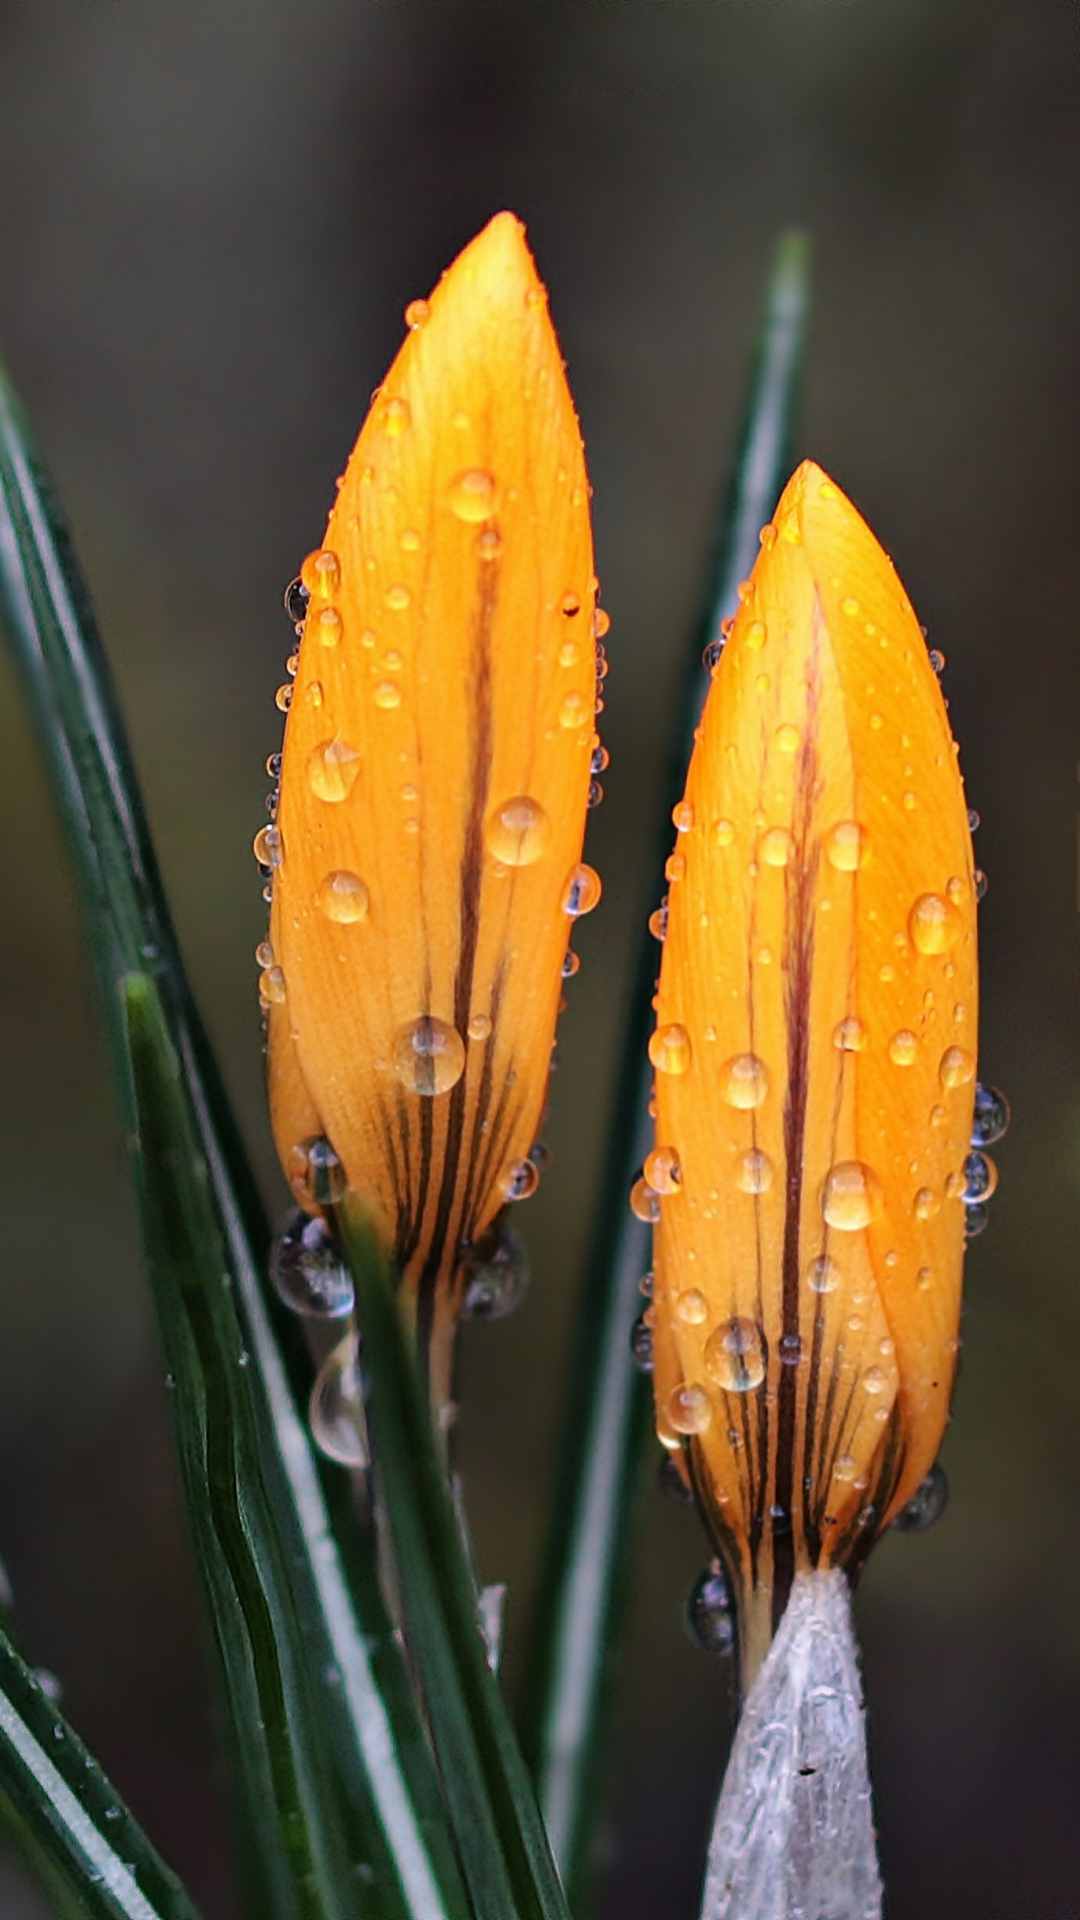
{"points": [[501, 1840], [69, 1817], [608, 1412], [339, 1781]]}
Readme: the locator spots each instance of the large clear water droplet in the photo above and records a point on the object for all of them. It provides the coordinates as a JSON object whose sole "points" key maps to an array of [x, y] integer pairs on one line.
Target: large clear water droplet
{"points": [[316, 1175], [710, 1615], [517, 832], [336, 1406], [307, 1270], [990, 1119], [926, 1505], [429, 1056], [496, 1273], [735, 1355]]}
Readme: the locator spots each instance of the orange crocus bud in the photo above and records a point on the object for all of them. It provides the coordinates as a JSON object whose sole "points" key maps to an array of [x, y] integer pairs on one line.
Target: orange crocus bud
{"points": [[426, 855], [815, 1066]]}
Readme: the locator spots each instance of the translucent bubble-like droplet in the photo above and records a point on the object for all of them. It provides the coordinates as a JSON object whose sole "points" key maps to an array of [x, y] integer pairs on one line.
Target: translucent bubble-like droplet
{"points": [[735, 1355], [496, 1273], [328, 627], [517, 832], [296, 601], [429, 1056], [479, 1027], [787, 738], [754, 1173], [387, 696], [845, 846], [927, 1503], [744, 1081], [926, 1204], [691, 1307], [990, 1119], [283, 697], [307, 1270], [875, 1380], [689, 1409], [272, 985], [682, 816], [669, 1049], [710, 1616], [574, 711], [332, 770], [934, 924], [976, 1220], [823, 1275], [520, 1180], [957, 1067], [396, 417], [473, 495], [645, 1202], [336, 1406], [343, 898], [790, 1349], [268, 847], [321, 574], [658, 923], [583, 890], [662, 1170], [903, 1048], [641, 1343], [849, 1036], [776, 847], [851, 1196], [416, 315], [316, 1175], [980, 1178]]}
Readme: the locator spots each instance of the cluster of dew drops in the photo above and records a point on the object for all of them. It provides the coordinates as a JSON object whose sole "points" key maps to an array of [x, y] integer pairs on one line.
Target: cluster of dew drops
{"points": [[735, 1351], [306, 1269]]}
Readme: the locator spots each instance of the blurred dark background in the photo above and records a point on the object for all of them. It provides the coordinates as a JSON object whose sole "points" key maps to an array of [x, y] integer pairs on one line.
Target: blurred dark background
{"points": [[213, 215]]}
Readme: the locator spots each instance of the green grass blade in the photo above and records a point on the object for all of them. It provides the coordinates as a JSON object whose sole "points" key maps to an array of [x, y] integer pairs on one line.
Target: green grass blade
{"points": [[323, 1714], [501, 1840], [608, 1411], [67, 1816]]}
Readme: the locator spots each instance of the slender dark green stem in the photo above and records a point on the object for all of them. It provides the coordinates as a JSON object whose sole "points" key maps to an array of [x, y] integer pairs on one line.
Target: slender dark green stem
{"points": [[504, 1850], [68, 1816], [607, 1410], [340, 1794]]}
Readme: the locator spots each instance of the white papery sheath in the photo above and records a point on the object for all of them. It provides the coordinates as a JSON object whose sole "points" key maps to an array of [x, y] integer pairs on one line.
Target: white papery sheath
{"points": [[793, 1837]]}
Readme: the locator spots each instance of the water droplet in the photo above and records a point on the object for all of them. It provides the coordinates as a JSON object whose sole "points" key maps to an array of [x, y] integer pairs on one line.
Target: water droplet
{"points": [[332, 769], [658, 923], [396, 417], [845, 846], [787, 738], [735, 1355], [790, 1350], [314, 693], [571, 963], [343, 897], [645, 1202], [336, 1406], [520, 1179], [849, 606], [903, 1048], [710, 655], [926, 1505], [321, 574], [744, 1081], [982, 884], [641, 1343], [845, 1468], [569, 605], [583, 890], [851, 1196], [710, 1618], [669, 1049], [473, 495], [691, 1307], [674, 867], [517, 832], [662, 1171], [976, 1220], [417, 314], [755, 635], [268, 847], [926, 1204], [272, 986], [264, 954], [875, 1380], [307, 1270], [682, 816], [479, 1027], [776, 847], [823, 1275], [937, 660], [496, 1273], [328, 627], [934, 924], [574, 711], [429, 1056], [489, 543], [957, 1067], [689, 1409], [387, 695], [316, 1175], [397, 597], [990, 1119], [849, 1035], [754, 1173], [296, 601], [283, 697], [980, 1178]]}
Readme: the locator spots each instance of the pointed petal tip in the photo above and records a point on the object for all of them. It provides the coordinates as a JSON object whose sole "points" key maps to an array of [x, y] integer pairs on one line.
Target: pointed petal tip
{"points": [[497, 261]]}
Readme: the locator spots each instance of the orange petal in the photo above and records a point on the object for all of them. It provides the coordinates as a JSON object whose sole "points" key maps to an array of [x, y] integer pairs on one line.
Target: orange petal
{"points": [[435, 773], [815, 1055]]}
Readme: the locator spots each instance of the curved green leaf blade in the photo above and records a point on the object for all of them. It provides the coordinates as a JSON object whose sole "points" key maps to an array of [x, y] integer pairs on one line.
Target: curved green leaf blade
{"points": [[504, 1849], [323, 1715], [608, 1413], [68, 1814]]}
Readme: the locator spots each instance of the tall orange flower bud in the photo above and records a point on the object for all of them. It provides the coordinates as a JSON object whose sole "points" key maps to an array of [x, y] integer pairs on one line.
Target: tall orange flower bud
{"points": [[426, 855], [815, 1057]]}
